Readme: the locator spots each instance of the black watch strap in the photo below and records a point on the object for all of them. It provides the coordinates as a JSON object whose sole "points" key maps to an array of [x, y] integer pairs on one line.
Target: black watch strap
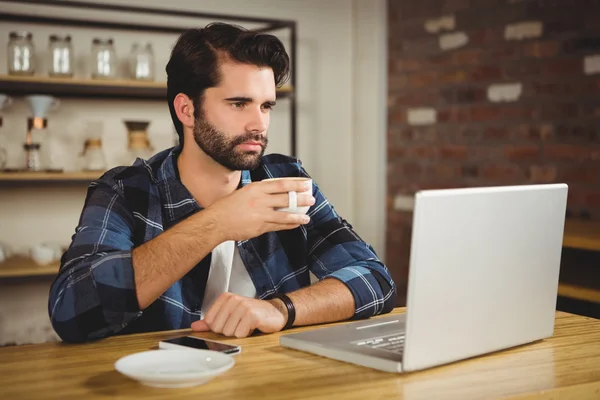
{"points": [[291, 310]]}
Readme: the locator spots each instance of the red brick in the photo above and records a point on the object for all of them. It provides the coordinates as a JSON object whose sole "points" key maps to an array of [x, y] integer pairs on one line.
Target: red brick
{"points": [[427, 45], [397, 152], [486, 113], [416, 98], [421, 134], [562, 67], [411, 168], [456, 76], [519, 113], [470, 95], [505, 173], [485, 73], [445, 171], [423, 151], [451, 6], [403, 65], [397, 82], [594, 152], [398, 117], [499, 54], [468, 133], [564, 152], [467, 56], [593, 199], [559, 111], [542, 173], [522, 153], [454, 152], [497, 133], [542, 49], [586, 173], [576, 197], [486, 153], [440, 60], [537, 133], [485, 37], [453, 114], [470, 170], [577, 133], [422, 79]]}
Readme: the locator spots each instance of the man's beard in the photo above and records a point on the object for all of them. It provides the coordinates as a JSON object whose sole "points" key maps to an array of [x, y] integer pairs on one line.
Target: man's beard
{"points": [[222, 149]]}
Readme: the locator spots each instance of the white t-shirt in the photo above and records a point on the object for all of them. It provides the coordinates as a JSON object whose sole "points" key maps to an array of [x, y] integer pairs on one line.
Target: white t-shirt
{"points": [[227, 274]]}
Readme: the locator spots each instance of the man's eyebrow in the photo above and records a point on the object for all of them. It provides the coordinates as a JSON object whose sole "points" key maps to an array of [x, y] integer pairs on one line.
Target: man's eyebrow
{"points": [[245, 99], [248, 100]]}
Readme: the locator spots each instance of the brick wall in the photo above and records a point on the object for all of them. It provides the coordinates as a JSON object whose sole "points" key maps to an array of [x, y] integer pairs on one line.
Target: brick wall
{"points": [[491, 92]]}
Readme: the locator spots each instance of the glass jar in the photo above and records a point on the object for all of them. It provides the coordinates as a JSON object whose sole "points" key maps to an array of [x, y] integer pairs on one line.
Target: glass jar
{"points": [[104, 59], [21, 53], [33, 160], [93, 157], [141, 62], [61, 56]]}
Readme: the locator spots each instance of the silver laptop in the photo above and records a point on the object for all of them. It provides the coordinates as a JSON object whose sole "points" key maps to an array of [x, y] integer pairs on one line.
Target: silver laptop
{"points": [[484, 267]]}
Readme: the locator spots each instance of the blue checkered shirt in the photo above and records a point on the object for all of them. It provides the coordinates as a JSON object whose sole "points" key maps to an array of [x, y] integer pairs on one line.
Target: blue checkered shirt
{"points": [[94, 295]]}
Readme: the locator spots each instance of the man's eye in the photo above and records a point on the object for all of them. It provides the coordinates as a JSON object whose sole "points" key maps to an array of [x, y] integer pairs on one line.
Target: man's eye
{"points": [[239, 104], [267, 106]]}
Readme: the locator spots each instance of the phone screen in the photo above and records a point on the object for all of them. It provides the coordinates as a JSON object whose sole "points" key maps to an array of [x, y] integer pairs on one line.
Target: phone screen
{"points": [[198, 343]]}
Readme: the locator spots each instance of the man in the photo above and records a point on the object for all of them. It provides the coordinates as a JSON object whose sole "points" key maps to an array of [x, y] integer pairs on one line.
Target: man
{"points": [[191, 237]]}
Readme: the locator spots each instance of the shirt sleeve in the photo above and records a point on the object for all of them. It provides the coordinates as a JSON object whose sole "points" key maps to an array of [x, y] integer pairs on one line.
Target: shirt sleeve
{"points": [[94, 295], [336, 251]]}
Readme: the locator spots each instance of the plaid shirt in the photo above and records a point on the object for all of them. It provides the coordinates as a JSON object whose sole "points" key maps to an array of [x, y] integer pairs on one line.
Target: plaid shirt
{"points": [[94, 295]]}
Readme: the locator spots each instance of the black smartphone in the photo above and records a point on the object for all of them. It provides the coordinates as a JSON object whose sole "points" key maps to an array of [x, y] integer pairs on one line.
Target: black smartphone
{"points": [[199, 343]]}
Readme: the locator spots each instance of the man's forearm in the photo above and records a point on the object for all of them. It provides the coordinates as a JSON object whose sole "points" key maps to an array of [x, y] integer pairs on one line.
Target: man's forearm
{"points": [[328, 300], [162, 261]]}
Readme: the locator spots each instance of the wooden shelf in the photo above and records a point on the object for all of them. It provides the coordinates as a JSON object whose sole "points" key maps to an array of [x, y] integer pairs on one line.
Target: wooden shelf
{"points": [[92, 88], [579, 292], [583, 235], [23, 267], [58, 177]]}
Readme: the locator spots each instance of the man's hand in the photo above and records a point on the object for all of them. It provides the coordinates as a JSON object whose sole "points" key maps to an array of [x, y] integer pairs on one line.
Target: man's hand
{"points": [[250, 211], [239, 316]]}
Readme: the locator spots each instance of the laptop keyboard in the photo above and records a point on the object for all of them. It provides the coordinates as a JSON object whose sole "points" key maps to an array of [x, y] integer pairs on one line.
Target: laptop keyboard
{"points": [[392, 343]]}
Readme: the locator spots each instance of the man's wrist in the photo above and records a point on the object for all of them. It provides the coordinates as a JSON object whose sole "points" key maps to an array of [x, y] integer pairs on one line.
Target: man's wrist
{"points": [[210, 218], [279, 306]]}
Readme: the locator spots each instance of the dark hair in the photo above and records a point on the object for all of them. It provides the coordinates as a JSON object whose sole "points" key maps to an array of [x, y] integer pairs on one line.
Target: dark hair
{"points": [[194, 63]]}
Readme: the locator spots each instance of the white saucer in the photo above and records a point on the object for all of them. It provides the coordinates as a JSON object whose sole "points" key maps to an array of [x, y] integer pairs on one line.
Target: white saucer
{"points": [[174, 368]]}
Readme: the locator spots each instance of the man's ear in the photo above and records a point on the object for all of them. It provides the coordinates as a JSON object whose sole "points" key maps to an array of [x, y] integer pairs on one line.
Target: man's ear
{"points": [[184, 108]]}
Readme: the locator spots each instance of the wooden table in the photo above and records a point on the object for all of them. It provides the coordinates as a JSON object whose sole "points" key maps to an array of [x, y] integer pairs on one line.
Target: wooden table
{"points": [[564, 366]]}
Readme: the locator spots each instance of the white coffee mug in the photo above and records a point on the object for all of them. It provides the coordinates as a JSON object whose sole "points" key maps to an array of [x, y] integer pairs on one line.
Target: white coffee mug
{"points": [[293, 196]]}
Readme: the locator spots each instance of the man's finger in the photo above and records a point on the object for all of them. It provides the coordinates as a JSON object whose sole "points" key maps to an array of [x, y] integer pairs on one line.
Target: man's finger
{"points": [[234, 319], [286, 185], [213, 311], [286, 218], [200, 326], [281, 200], [227, 308]]}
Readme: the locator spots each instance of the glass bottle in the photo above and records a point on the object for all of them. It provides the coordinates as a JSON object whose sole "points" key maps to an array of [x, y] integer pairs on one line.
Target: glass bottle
{"points": [[93, 157], [141, 62], [21, 53], [104, 59], [61, 56]]}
